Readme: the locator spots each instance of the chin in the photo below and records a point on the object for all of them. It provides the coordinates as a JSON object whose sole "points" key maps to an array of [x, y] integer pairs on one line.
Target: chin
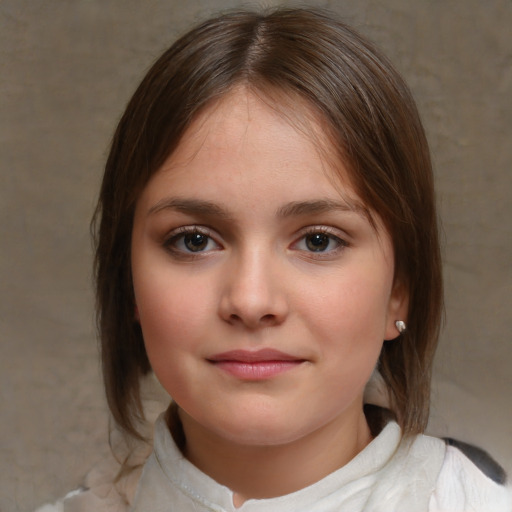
{"points": [[256, 430]]}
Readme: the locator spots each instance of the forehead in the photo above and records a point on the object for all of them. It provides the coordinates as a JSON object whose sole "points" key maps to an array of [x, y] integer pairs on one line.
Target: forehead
{"points": [[245, 126]]}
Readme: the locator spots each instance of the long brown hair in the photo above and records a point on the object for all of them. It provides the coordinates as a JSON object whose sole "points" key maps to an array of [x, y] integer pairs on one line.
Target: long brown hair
{"points": [[373, 125]]}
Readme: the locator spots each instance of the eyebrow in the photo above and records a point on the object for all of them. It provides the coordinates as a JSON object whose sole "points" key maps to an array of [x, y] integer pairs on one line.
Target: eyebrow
{"points": [[292, 209], [297, 208], [190, 206]]}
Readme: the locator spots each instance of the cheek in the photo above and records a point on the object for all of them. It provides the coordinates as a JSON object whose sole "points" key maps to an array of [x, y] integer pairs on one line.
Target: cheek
{"points": [[349, 318], [165, 307], [353, 307], [169, 333]]}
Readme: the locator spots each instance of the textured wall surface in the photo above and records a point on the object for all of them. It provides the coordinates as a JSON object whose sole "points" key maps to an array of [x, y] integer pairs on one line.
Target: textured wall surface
{"points": [[67, 70]]}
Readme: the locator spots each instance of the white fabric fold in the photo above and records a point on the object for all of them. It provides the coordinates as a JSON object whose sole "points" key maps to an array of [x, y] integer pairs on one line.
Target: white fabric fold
{"points": [[368, 482]]}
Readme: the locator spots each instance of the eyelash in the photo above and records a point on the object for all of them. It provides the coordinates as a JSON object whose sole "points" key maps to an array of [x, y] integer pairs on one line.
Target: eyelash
{"points": [[178, 235], [332, 235], [171, 241]]}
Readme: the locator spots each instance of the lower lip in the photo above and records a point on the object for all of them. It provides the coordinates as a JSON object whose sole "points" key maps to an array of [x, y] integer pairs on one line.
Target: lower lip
{"points": [[256, 370]]}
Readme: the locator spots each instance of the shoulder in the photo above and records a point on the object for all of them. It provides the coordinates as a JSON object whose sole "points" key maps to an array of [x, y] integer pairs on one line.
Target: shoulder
{"points": [[470, 480], [108, 487], [481, 459], [58, 506], [111, 484]]}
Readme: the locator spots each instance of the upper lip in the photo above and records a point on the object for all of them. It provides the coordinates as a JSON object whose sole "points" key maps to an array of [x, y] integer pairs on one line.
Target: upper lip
{"points": [[254, 356]]}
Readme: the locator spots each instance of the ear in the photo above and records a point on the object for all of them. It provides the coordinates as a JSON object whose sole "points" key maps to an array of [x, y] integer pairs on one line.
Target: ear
{"points": [[398, 307]]}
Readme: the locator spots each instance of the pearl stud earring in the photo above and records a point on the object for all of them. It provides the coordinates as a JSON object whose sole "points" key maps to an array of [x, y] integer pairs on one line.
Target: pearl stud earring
{"points": [[400, 326]]}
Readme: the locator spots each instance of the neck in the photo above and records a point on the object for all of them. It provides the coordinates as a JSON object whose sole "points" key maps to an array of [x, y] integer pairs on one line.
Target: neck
{"points": [[269, 471]]}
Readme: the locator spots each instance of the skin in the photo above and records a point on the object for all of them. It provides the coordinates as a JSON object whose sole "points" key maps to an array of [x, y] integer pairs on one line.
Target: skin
{"points": [[254, 195]]}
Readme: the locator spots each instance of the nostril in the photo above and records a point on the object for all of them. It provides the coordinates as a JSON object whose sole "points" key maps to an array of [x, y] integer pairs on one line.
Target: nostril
{"points": [[264, 321], [269, 320]]}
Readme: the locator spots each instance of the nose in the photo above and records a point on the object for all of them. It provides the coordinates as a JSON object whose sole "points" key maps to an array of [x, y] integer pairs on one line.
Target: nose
{"points": [[253, 293]]}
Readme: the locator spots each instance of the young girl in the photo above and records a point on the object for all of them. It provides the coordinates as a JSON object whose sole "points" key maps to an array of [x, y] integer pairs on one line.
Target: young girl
{"points": [[267, 246]]}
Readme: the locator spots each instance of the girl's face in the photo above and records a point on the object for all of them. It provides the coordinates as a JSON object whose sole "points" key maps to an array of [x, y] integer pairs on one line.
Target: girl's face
{"points": [[263, 292]]}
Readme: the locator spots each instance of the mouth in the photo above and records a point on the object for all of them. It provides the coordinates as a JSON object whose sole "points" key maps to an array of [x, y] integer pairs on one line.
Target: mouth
{"points": [[255, 365]]}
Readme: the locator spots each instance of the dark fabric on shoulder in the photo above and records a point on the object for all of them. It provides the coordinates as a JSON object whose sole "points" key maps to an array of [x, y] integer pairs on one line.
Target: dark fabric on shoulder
{"points": [[481, 459]]}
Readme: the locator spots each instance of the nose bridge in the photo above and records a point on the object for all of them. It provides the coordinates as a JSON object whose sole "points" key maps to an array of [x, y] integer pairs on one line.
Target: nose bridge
{"points": [[253, 294]]}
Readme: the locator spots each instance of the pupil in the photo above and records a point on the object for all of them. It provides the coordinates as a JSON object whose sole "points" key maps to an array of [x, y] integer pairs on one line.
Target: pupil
{"points": [[195, 241], [317, 242]]}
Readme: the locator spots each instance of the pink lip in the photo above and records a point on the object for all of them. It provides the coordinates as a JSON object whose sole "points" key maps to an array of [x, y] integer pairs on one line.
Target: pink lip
{"points": [[255, 365]]}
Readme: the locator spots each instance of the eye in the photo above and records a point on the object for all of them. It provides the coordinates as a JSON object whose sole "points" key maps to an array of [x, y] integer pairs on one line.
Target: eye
{"points": [[319, 241], [190, 240]]}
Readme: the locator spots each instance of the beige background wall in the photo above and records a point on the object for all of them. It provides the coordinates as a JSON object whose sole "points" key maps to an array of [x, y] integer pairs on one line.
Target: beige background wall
{"points": [[67, 69]]}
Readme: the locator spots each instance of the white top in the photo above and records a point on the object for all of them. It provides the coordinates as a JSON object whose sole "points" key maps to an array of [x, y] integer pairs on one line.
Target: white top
{"points": [[389, 475]]}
